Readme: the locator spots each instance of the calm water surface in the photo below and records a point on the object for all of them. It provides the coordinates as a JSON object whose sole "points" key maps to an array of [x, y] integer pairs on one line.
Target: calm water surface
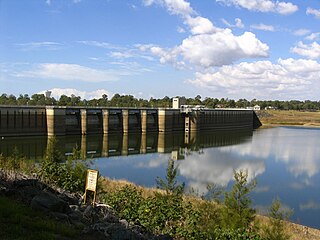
{"points": [[284, 160]]}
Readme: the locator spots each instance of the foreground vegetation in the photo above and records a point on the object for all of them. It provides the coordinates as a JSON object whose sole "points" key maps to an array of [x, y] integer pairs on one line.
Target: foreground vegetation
{"points": [[166, 210], [118, 100], [20, 222]]}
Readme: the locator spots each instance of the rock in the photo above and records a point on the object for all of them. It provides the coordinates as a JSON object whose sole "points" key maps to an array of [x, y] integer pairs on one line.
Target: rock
{"points": [[59, 216], [110, 218], [74, 208], [49, 202], [75, 216], [124, 223]]}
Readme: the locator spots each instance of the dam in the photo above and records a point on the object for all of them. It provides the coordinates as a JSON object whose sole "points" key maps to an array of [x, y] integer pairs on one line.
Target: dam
{"points": [[74, 120]]}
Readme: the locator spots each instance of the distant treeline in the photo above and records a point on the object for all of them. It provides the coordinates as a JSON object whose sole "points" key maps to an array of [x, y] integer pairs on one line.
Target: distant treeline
{"points": [[130, 101]]}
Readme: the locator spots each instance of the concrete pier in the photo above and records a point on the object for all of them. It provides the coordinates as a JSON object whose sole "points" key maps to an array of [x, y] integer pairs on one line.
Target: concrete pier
{"points": [[56, 121]]}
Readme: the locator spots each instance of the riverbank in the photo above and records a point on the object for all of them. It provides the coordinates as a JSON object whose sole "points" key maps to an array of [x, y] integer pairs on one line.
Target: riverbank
{"points": [[295, 231], [85, 223], [289, 118]]}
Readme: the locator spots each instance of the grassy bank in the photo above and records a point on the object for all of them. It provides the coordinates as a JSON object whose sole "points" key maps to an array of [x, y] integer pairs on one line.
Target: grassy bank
{"points": [[294, 118], [209, 209]]}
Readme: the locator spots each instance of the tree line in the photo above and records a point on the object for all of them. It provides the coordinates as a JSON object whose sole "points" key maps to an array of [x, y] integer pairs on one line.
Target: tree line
{"points": [[118, 100]]}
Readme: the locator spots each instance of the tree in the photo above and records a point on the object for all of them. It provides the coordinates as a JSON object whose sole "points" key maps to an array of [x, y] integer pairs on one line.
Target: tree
{"points": [[237, 210], [275, 229], [23, 99], [170, 183], [38, 99]]}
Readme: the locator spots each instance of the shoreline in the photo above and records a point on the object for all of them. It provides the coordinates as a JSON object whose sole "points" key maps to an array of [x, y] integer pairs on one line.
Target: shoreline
{"points": [[297, 231]]}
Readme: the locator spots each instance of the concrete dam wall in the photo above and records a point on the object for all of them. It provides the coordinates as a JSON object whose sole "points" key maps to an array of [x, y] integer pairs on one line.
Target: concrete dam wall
{"points": [[54, 120]]}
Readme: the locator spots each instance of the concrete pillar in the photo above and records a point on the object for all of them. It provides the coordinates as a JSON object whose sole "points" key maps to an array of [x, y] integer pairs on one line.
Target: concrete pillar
{"points": [[124, 150], [105, 145], [84, 125], [143, 145], [56, 121], [105, 120], [125, 120], [144, 120], [164, 120]]}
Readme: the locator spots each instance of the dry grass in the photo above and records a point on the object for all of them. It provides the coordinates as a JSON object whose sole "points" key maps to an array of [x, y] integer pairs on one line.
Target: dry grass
{"points": [[295, 231], [298, 118]]}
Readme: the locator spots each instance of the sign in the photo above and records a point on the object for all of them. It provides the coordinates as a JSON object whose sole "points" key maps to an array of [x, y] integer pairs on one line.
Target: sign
{"points": [[91, 184]]}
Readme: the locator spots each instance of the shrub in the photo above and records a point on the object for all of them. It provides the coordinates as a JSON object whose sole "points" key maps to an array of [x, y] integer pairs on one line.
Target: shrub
{"points": [[237, 212], [126, 202], [69, 175], [275, 229]]}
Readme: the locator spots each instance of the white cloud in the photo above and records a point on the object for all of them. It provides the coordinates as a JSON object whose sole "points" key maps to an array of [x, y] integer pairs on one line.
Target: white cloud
{"points": [[314, 12], [57, 92], [121, 55], [311, 50], [283, 8], [30, 46], [178, 7], [263, 27], [301, 32], [105, 45], [262, 78], [238, 23], [208, 45], [313, 36], [221, 48], [209, 50], [48, 2], [180, 30], [200, 25], [68, 72]]}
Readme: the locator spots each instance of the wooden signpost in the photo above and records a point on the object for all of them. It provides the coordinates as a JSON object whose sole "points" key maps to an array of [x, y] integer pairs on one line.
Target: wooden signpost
{"points": [[91, 184]]}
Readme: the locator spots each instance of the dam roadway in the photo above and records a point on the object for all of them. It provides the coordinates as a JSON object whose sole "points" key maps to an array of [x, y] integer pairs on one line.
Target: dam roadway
{"points": [[72, 120]]}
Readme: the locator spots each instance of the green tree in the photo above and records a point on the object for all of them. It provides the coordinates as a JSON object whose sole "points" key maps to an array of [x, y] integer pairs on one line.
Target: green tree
{"points": [[275, 229], [237, 211], [23, 99], [170, 184]]}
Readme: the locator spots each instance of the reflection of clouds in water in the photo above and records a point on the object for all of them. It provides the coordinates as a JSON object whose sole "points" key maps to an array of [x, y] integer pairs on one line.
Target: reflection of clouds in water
{"points": [[216, 167], [310, 205], [297, 148], [302, 184], [161, 160], [261, 189]]}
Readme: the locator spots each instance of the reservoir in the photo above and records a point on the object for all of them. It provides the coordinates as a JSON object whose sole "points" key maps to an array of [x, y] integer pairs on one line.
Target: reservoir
{"points": [[285, 161]]}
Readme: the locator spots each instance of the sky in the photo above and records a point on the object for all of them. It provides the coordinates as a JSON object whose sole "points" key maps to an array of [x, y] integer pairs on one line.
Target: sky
{"points": [[252, 49]]}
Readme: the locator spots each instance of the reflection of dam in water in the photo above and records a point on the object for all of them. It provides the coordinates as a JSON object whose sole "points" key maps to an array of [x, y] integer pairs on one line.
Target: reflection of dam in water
{"points": [[109, 145]]}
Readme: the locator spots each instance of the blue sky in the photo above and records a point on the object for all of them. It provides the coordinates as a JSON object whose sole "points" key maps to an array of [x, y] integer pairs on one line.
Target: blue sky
{"points": [[261, 49]]}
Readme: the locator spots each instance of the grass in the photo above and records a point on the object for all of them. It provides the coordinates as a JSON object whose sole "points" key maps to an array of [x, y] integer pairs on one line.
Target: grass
{"points": [[297, 118], [18, 221]]}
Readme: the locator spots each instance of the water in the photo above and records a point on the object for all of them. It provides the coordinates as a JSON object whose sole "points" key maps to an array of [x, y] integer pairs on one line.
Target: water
{"points": [[285, 162]]}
